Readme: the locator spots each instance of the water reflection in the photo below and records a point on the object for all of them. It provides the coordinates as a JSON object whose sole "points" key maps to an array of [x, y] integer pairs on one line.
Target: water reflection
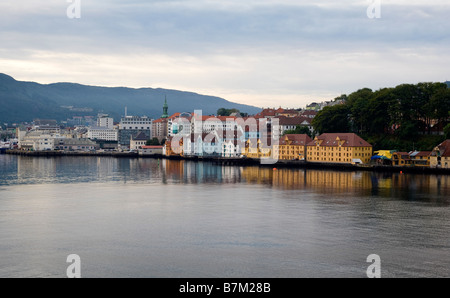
{"points": [[25, 170]]}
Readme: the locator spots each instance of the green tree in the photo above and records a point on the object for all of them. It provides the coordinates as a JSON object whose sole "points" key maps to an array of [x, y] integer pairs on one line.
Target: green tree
{"points": [[447, 128], [377, 114], [359, 105], [153, 142], [227, 112], [222, 112], [332, 119], [440, 105], [433, 101], [447, 131]]}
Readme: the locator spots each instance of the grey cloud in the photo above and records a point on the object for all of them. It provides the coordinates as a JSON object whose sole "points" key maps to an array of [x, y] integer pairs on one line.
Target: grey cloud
{"points": [[121, 27]]}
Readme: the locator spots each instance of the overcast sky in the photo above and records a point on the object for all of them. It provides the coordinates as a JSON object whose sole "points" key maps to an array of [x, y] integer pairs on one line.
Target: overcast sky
{"points": [[265, 53]]}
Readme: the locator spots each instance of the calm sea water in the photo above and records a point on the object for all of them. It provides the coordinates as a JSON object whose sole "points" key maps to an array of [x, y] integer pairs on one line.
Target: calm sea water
{"points": [[159, 218]]}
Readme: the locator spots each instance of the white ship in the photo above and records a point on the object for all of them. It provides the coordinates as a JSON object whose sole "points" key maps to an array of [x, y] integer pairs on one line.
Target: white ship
{"points": [[4, 146]]}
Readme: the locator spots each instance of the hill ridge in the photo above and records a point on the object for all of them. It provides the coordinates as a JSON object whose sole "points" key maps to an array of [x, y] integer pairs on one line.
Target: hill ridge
{"points": [[22, 101]]}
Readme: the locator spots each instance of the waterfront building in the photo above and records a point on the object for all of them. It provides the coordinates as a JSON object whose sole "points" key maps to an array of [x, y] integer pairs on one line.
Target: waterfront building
{"points": [[202, 145], [133, 125], [345, 148], [231, 143], [401, 159], [75, 144], [440, 156], [137, 141], [150, 150], [168, 148], [256, 149], [292, 147], [420, 158], [38, 139]]}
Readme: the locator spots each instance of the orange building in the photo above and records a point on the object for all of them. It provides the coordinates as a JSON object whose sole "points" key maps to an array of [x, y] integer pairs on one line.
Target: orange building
{"points": [[292, 147], [345, 148]]}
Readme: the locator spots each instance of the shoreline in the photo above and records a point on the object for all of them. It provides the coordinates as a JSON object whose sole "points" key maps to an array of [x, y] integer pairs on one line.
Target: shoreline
{"points": [[224, 161]]}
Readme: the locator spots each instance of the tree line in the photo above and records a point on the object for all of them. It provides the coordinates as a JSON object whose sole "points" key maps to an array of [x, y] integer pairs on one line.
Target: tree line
{"points": [[403, 118]]}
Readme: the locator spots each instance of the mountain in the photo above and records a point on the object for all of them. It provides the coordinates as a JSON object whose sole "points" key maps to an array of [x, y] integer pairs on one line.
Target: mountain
{"points": [[448, 83], [25, 101]]}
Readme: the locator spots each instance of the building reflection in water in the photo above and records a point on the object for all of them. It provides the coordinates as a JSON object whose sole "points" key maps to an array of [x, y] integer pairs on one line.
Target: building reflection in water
{"points": [[410, 187], [124, 170]]}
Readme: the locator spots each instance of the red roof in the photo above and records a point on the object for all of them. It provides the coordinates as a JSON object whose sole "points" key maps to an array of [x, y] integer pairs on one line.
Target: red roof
{"points": [[266, 113], [330, 139], [215, 118], [423, 153], [296, 139], [293, 120], [176, 115], [444, 148], [403, 155]]}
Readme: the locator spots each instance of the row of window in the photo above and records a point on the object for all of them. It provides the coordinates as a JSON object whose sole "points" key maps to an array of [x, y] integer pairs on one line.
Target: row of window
{"points": [[330, 148], [138, 122], [339, 154], [332, 159]]}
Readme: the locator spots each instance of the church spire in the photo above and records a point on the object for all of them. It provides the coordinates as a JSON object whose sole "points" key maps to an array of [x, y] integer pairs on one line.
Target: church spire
{"points": [[165, 109]]}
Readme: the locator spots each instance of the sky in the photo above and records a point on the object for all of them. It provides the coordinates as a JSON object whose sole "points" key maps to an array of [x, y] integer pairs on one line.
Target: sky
{"points": [[265, 53]]}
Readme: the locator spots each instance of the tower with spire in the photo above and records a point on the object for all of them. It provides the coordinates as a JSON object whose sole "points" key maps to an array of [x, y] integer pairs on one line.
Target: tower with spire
{"points": [[165, 109]]}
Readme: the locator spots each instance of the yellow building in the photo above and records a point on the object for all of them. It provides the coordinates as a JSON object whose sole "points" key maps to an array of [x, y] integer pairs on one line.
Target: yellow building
{"points": [[172, 149], [401, 159], [256, 149], [292, 147], [440, 156], [420, 158], [345, 148]]}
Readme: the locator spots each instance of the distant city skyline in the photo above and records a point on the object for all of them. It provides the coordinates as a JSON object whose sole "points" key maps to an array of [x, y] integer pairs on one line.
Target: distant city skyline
{"points": [[264, 53]]}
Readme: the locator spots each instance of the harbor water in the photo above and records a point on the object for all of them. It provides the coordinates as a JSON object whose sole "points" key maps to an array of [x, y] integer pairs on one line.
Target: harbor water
{"points": [[135, 217]]}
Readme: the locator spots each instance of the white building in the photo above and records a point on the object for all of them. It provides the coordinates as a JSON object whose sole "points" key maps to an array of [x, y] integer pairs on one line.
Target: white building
{"points": [[202, 145], [103, 133], [290, 123], [231, 148], [207, 124], [179, 124], [135, 123], [38, 140], [75, 144], [132, 125], [151, 150], [137, 141], [105, 121]]}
